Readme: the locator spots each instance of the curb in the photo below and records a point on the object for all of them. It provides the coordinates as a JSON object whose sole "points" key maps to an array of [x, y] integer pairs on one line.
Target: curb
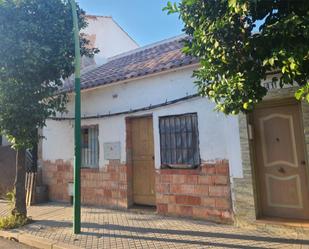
{"points": [[34, 241]]}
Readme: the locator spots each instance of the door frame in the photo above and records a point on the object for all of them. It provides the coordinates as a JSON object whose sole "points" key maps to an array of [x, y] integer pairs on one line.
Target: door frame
{"points": [[129, 155], [263, 105]]}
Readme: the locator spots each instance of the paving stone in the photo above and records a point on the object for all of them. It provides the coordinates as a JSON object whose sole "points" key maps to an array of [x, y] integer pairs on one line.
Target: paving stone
{"points": [[106, 228]]}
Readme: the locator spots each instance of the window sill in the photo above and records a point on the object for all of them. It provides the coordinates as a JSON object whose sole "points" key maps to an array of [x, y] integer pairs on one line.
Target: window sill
{"points": [[88, 169], [187, 171]]}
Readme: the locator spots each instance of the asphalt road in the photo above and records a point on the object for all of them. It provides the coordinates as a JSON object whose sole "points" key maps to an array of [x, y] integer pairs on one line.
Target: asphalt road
{"points": [[7, 244]]}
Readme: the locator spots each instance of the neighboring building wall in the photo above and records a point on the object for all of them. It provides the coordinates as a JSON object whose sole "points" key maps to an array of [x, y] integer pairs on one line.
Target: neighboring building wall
{"points": [[218, 136], [7, 169], [106, 35]]}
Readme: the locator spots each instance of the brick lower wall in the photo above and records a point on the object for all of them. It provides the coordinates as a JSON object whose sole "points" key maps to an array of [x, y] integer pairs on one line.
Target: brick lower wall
{"points": [[202, 193], [107, 186]]}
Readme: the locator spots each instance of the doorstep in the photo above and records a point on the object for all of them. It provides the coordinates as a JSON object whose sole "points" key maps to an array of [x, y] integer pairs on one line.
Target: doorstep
{"points": [[143, 209], [284, 222]]}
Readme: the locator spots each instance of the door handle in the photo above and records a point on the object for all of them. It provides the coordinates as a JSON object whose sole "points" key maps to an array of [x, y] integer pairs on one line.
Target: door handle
{"points": [[303, 162]]}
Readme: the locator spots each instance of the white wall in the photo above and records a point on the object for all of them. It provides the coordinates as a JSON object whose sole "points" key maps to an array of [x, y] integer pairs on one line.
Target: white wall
{"points": [[110, 38], [219, 135]]}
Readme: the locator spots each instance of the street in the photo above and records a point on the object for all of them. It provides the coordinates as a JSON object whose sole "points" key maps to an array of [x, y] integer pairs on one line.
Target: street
{"points": [[7, 244]]}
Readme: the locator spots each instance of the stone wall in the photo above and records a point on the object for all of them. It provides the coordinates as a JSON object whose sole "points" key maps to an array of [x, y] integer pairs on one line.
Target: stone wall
{"points": [[106, 186], [199, 193], [7, 169]]}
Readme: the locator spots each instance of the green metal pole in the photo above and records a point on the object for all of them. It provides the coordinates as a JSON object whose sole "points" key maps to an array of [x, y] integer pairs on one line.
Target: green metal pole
{"points": [[77, 161]]}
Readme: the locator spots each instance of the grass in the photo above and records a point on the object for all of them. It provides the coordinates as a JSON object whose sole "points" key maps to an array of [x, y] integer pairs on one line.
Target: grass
{"points": [[13, 221]]}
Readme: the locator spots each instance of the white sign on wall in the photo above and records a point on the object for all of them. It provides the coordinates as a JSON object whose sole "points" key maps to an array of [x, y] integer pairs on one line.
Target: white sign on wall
{"points": [[112, 151]]}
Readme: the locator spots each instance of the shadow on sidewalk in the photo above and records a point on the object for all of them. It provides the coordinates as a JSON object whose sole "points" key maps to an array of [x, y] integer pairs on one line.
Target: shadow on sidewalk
{"points": [[142, 230]]}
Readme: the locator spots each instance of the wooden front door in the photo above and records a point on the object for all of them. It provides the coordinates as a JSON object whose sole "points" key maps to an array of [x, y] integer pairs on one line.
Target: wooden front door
{"points": [[143, 161], [282, 177]]}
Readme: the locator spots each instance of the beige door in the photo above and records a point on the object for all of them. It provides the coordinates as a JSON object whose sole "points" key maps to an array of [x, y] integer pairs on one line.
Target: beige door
{"points": [[143, 161], [280, 161]]}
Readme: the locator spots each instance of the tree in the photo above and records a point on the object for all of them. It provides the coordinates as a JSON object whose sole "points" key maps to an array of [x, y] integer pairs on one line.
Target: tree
{"points": [[234, 57], [37, 53]]}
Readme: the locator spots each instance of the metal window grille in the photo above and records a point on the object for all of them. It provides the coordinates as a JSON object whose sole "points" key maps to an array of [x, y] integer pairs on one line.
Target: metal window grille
{"points": [[90, 147], [179, 139]]}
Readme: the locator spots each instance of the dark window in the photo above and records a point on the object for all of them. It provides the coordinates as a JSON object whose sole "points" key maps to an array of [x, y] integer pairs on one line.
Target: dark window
{"points": [[90, 147], [179, 141]]}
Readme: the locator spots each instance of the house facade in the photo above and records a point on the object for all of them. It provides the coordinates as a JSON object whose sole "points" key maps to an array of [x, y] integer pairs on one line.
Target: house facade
{"points": [[149, 139]]}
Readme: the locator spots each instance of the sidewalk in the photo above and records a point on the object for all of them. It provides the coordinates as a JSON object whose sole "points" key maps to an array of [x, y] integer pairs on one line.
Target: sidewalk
{"points": [[104, 228]]}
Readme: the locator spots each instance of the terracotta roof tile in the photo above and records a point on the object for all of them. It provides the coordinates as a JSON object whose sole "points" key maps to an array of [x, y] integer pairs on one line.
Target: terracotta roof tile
{"points": [[140, 62]]}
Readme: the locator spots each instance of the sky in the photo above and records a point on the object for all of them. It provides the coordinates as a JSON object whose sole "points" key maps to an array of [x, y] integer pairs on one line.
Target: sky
{"points": [[143, 20]]}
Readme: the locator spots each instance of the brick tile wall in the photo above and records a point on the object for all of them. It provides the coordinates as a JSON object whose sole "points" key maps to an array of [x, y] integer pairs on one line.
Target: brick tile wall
{"points": [[107, 186], [199, 193]]}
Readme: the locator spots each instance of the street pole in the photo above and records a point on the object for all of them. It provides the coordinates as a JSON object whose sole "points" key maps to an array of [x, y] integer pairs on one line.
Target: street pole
{"points": [[77, 161]]}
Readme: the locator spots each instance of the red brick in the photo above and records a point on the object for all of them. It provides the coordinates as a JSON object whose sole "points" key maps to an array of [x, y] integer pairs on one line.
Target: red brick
{"points": [[222, 170], [209, 170], [191, 179], [205, 180], [166, 178], [123, 177], [187, 189], [172, 199], [123, 194], [163, 188], [208, 202], [107, 193], [171, 209], [220, 180], [183, 189], [200, 212], [223, 203], [188, 200], [219, 191], [178, 179], [184, 210], [162, 208], [214, 213], [201, 190]]}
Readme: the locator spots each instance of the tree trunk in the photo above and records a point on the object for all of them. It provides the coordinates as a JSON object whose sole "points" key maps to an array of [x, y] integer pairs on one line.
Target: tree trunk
{"points": [[19, 185]]}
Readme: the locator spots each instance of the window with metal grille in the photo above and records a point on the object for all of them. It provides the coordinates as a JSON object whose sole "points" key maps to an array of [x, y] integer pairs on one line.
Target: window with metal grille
{"points": [[179, 140], [90, 147]]}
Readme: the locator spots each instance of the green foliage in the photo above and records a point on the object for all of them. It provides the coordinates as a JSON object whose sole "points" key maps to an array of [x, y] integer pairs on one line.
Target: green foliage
{"points": [[11, 196], [234, 59], [37, 53], [13, 221]]}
